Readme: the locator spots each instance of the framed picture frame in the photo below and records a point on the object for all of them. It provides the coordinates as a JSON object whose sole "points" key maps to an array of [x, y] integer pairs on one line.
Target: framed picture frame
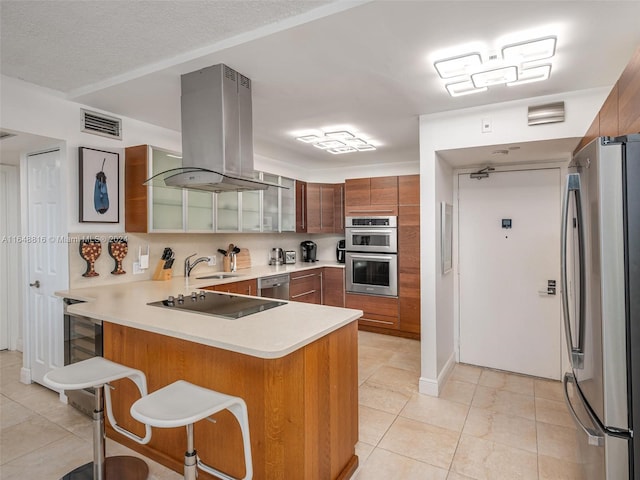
{"points": [[99, 190], [446, 237]]}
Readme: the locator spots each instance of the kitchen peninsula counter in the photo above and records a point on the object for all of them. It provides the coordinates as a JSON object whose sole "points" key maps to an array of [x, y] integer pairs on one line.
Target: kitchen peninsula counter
{"points": [[270, 334], [295, 365]]}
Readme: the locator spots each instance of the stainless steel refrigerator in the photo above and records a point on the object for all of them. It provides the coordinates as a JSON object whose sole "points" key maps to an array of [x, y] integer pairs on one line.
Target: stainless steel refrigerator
{"points": [[601, 303]]}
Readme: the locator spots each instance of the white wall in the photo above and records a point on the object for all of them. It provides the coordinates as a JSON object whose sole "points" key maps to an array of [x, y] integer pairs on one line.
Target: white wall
{"points": [[461, 129], [32, 109]]}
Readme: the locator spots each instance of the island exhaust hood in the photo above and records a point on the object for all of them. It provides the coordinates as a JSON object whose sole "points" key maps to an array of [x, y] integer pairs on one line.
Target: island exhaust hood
{"points": [[217, 134]]}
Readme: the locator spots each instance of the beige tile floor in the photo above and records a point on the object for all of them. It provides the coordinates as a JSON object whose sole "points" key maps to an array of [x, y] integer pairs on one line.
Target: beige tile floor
{"points": [[486, 425]]}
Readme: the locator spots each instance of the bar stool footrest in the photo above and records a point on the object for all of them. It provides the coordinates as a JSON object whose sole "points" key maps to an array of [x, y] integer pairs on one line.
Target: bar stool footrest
{"points": [[121, 467]]}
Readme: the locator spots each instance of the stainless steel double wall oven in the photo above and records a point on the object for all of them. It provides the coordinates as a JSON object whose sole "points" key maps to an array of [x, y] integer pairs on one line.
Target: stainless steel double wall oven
{"points": [[372, 255]]}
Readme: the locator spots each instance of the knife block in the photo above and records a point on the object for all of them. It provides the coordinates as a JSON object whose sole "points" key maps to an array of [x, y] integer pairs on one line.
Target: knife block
{"points": [[162, 273]]}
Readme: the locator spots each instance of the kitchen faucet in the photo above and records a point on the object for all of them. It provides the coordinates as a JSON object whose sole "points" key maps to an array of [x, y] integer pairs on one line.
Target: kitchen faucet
{"points": [[189, 266]]}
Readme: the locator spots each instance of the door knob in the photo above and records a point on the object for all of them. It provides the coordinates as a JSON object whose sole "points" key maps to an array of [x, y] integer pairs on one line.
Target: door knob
{"points": [[35, 284]]}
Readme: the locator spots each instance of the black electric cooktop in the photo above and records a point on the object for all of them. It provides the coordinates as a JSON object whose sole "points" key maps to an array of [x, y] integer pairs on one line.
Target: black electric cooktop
{"points": [[217, 304]]}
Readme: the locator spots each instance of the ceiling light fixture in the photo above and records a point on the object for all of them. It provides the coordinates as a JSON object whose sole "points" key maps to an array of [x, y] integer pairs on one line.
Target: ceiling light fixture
{"points": [[463, 88], [456, 66], [497, 76], [513, 64], [337, 141], [530, 51]]}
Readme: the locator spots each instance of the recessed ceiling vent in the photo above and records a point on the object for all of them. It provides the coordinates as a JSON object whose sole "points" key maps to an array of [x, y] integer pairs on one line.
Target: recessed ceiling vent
{"points": [[100, 124], [549, 113]]}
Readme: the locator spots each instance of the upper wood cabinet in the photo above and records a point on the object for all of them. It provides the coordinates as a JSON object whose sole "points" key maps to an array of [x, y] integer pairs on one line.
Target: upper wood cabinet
{"points": [[620, 113], [319, 207], [371, 196], [409, 190], [161, 209]]}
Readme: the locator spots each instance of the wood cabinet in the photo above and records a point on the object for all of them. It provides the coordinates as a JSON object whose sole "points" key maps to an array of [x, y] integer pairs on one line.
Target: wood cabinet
{"points": [[333, 287], [243, 287], [150, 208], [620, 113], [371, 196], [409, 253], [306, 286], [303, 408], [319, 207], [378, 312]]}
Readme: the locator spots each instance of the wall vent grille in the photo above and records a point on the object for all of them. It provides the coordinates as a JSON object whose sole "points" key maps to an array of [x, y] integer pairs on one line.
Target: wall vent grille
{"points": [[100, 124]]}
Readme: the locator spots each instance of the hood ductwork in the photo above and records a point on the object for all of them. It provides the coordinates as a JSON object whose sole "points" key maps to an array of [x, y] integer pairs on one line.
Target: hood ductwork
{"points": [[217, 133]]}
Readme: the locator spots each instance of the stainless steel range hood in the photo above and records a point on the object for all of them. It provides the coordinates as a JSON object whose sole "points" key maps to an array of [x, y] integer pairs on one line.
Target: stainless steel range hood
{"points": [[217, 133]]}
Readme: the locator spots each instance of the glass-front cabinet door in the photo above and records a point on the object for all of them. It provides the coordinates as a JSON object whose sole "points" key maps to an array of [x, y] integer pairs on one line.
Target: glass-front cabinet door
{"points": [[270, 205], [288, 204], [166, 203], [251, 211], [228, 212], [199, 211]]}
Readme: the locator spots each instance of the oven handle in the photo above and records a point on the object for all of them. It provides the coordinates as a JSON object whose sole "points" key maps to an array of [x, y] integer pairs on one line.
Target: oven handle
{"points": [[353, 230], [372, 257]]}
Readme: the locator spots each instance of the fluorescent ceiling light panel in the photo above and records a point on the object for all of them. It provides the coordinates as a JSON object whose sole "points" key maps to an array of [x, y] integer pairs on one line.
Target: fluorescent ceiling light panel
{"points": [[530, 51], [329, 144], [530, 75], [497, 76], [340, 135], [365, 148], [463, 88], [339, 150], [309, 138], [456, 66]]}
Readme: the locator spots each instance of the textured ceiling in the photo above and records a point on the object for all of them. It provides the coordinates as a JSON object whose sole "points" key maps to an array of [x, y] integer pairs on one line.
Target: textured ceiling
{"points": [[65, 45], [367, 64]]}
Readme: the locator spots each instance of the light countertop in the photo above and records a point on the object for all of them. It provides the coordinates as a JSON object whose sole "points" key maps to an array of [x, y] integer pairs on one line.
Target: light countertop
{"points": [[272, 333]]}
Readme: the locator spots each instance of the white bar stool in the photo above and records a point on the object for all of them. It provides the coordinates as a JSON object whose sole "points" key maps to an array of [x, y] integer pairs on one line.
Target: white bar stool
{"points": [[182, 404], [97, 372]]}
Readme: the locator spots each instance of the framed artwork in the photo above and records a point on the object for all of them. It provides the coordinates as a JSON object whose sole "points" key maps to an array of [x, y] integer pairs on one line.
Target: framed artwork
{"points": [[99, 173], [446, 234]]}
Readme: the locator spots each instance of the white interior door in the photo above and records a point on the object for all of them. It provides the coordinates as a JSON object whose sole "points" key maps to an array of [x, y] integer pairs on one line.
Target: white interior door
{"points": [[9, 256], [47, 262], [507, 321]]}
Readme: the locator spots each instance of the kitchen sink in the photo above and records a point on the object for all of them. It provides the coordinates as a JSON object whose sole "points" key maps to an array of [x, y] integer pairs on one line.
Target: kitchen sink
{"points": [[217, 276]]}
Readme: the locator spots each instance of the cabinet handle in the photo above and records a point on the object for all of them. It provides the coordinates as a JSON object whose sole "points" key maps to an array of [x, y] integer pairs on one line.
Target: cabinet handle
{"points": [[342, 208], [303, 294], [304, 276], [376, 321], [249, 289], [304, 210], [371, 211]]}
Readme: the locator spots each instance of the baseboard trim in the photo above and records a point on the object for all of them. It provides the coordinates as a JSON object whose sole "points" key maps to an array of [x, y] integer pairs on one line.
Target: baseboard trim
{"points": [[429, 386], [25, 375]]}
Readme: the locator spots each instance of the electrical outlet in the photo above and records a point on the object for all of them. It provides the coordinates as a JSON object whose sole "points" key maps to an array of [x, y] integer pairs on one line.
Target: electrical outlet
{"points": [[136, 268], [486, 125], [212, 261]]}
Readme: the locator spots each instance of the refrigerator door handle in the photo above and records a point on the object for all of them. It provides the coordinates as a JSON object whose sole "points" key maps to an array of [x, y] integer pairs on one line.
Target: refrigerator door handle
{"points": [[576, 353], [595, 435]]}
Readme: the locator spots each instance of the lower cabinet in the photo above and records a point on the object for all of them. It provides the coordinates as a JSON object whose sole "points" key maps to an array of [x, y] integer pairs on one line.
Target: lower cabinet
{"points": [[306, 286], [378, 312], [333, 287], [244, 287]]}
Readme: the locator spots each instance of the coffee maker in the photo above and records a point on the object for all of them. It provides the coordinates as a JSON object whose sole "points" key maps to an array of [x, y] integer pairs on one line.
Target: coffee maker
{"points": [[309, 251], [340, 251]]}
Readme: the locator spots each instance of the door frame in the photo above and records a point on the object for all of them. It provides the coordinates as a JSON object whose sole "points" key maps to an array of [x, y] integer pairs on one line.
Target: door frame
{"points": [[563, 166], [13, 269], [25, 371]]}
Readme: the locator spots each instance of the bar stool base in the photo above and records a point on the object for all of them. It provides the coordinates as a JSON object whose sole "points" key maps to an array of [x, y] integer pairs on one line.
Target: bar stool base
{"points": [[117, 468]]}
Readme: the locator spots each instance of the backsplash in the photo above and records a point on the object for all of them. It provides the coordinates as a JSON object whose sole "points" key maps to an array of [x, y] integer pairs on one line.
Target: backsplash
{"points": [[183, 245]]}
